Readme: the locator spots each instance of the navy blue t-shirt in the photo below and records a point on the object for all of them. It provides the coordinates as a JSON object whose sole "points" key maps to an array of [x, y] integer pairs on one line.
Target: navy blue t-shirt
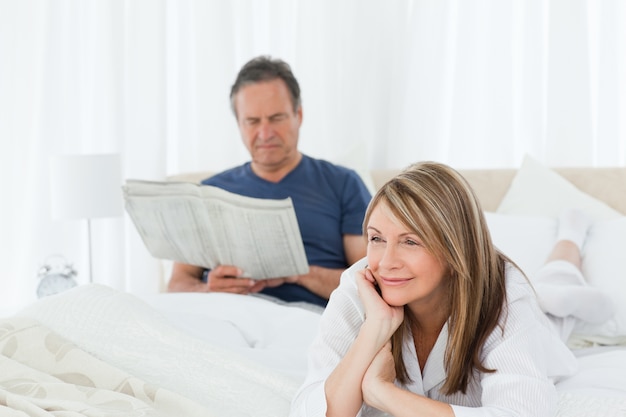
{"points": [[329, 201]]}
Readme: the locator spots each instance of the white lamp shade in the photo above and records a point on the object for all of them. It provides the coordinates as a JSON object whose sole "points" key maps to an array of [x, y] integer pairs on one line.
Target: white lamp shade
{"points": [[85, 186]]}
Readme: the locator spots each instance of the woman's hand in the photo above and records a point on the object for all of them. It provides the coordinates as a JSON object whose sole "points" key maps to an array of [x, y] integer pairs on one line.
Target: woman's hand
{"points": [[379, 391], [344, 386], [376, 309], [382, 371]]}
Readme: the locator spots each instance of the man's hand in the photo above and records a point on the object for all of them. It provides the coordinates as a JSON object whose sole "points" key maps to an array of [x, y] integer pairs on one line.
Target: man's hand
{"points": [[228, 278], [223, 278]]}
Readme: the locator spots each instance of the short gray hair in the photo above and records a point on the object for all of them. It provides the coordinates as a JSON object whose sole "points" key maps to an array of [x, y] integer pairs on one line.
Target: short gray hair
{"points": [[265, 68]]}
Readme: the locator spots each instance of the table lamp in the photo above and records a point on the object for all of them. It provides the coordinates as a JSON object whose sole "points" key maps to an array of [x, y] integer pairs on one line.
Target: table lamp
{"points": [[86, 187]]}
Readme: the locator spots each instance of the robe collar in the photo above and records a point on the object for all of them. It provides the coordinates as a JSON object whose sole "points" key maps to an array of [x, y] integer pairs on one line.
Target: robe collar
{"points": [[434, 371]]}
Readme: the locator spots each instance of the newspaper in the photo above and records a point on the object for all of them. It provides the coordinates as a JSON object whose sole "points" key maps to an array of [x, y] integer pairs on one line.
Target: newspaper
{"points": [[206, 226]]}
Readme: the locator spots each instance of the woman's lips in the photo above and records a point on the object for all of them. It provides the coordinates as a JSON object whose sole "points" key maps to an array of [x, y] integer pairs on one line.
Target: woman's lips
{"points": [[394, 282]]}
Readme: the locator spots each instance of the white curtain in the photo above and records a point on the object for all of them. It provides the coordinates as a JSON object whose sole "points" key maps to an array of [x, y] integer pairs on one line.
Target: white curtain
{"points": [[385, 83]]}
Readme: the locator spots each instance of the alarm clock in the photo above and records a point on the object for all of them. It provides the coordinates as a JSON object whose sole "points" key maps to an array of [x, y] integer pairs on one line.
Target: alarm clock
{"points": [[55, 275]]}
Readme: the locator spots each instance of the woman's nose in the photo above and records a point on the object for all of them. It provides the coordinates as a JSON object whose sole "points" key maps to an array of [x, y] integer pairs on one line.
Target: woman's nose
{"points": [[389, 257]]}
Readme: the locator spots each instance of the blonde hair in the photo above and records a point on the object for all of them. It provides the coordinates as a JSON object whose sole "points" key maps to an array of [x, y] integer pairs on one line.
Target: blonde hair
{"points": [[436, 203]]}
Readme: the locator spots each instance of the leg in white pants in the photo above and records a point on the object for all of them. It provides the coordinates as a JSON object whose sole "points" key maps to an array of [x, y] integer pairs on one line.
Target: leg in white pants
{"points": [[566, 298], [561, 288]]}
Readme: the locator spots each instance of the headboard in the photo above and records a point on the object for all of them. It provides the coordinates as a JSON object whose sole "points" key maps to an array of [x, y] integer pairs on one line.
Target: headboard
{"points": [[606, 184]]}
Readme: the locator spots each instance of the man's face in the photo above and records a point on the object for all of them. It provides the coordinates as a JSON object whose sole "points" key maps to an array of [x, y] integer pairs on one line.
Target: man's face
{"points": [[269, 127]]}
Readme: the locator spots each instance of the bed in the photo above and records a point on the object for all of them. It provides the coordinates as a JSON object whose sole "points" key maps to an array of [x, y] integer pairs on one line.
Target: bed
{"points": [[94, 350]]}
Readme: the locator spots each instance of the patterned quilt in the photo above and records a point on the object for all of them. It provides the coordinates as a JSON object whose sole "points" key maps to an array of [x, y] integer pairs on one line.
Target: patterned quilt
{"points": [[43, 374]]}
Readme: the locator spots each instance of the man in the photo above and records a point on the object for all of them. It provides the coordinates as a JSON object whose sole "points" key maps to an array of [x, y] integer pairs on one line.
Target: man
{"points": [[329, 200]]}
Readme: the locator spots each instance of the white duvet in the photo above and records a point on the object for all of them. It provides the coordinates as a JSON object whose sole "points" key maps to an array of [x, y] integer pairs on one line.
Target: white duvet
{"points": [[246, 356], [44, 375], [127, 333]]}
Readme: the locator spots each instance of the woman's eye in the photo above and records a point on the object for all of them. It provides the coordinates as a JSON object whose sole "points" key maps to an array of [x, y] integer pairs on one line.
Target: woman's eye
{"points": [[375, 239], [412, 242]]}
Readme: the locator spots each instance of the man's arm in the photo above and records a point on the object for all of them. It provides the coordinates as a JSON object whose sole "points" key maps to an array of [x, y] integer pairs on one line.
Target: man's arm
{"points": [[186, 278], [355, 247], [319, 280], [322, 281], [224, 278]]}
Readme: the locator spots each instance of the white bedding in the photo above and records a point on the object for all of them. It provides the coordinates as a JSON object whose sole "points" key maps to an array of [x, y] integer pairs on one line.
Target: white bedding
{"points": [[128, 334], [246, 356], [44, 375]]}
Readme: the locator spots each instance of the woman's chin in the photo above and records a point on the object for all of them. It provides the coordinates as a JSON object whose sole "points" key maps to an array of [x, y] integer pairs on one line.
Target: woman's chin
{"points": [[394, 299]]}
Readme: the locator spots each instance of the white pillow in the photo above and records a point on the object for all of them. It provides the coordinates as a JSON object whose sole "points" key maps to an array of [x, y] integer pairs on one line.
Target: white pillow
{"points": [[528, 240], [540, 191]]}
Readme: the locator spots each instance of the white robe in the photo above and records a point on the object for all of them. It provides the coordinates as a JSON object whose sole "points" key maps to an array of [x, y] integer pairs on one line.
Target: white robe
{"points": [[529, 357]]}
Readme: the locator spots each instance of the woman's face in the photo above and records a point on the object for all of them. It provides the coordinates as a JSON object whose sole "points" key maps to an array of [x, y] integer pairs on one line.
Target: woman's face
{"points": [[406, 271]]}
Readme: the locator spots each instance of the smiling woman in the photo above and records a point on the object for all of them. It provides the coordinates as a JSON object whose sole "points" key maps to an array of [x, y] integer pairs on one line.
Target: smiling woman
{"points": [[449, 333]]}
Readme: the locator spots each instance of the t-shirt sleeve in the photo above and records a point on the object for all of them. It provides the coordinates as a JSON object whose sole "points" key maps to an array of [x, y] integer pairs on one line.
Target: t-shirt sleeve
{"points": [[354, 200]]}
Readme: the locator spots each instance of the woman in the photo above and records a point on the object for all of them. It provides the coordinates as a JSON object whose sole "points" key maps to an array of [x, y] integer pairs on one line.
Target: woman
{"points": [[435, 321]]}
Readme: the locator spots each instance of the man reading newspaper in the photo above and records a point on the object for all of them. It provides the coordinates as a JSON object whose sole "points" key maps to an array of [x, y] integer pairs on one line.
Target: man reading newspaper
{"points": [[329, 200]]}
